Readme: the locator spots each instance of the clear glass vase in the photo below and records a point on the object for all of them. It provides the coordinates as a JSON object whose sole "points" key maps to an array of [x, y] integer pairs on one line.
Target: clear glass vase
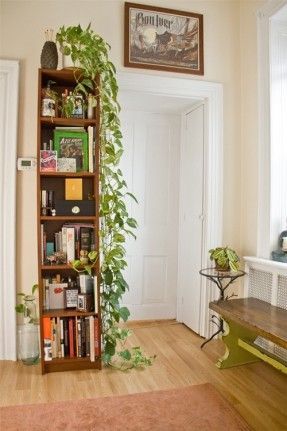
{"points": [[30, 313], [28, 343]]}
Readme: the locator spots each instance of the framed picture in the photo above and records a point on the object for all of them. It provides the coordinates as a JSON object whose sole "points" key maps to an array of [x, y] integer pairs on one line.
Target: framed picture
{"points": [[78, 111], [163, 39], [72, 145]]}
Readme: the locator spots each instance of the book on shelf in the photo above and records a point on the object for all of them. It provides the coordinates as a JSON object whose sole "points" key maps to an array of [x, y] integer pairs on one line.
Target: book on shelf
{"points": [[87, 329], [72, 144], [66, 164], [47, 339], [62, 337], [73, 189], [70, 240], [56, 295], [92, 338], [71, 327], [58, 337], [97, 337], [86, 234], [70, 244], [91, 141], [48, 161], [74, 337], [66, 336], [54, 336], [47, 202]]}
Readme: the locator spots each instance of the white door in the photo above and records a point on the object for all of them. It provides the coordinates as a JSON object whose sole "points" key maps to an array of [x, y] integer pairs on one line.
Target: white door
{"points": [[151, 167], [191, 218]]}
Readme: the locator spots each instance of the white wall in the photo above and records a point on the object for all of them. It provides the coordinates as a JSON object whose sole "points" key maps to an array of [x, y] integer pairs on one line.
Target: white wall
{"points": [[22, 35]]}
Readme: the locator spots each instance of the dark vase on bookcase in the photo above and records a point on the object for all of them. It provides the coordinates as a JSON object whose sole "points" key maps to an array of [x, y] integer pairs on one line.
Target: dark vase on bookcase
{"points": [[68, 225]]}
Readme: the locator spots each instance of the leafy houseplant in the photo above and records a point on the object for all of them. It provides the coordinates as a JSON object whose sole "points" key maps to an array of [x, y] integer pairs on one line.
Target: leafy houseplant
{"points": [[27, 306], [225, 259], [88, 50], [28, 337]]}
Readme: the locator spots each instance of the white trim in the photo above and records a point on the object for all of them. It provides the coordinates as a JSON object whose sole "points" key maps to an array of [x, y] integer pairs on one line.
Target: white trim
{"points": [[212, 94], [264, 174], [266, 263], [9, 73]]}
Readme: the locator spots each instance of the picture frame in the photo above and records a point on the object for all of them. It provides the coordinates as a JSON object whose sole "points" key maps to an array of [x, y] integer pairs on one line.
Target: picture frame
{"points": [[71, 297], [78, 110], [163, 39], [72, 144]]}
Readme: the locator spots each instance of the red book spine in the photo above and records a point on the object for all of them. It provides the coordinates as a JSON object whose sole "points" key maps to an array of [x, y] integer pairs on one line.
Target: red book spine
{"points": [[97, 338], [71, 338]]}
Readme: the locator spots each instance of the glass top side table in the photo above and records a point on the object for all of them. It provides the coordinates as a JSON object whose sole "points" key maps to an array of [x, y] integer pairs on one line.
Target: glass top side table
{"points": [[222, 279]]}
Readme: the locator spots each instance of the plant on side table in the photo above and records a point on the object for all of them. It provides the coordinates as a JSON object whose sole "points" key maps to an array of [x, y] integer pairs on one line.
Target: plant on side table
{"points": [[91, 54], [225, 258]]}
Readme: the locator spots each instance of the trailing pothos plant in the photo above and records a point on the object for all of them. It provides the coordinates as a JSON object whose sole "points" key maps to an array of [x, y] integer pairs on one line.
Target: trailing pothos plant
{"points": [[91, 55]]}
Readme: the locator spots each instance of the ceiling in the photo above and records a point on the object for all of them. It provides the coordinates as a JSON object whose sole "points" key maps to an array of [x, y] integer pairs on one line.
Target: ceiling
{"points": [[281, 15]]}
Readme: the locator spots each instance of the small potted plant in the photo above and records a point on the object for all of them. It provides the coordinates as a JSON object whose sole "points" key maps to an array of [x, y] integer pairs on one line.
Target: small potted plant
{"points": [[225, 259], [28, 333]]}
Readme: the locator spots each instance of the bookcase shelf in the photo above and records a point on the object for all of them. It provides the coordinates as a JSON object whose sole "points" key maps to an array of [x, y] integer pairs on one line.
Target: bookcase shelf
{"points": [[55, 267], [63, 312], [67, 331], [69, 122], [68, 218], [83, 174], [71, 364]]}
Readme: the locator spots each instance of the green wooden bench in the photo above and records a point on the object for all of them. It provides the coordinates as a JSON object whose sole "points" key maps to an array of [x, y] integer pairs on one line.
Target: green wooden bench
{"points": [[246, 319]]}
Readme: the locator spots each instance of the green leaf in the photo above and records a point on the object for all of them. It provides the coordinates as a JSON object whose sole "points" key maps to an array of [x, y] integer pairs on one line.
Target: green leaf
{"points": [[108, 277], [125, 354], [34, 288], [20, 308], [124, 313], [132, 222], [132, 196]]}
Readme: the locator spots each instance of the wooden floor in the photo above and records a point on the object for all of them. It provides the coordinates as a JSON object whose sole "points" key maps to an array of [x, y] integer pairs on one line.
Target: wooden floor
{"points": [[257, 391]]}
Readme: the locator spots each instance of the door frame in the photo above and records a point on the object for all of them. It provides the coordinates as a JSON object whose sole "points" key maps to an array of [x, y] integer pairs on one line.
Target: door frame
{"points": [[211, 94], [9, 72]]}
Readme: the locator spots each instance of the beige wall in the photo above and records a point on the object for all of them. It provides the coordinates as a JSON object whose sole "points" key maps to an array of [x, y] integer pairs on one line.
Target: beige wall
{"points": [[249, 126], [22, 37]]}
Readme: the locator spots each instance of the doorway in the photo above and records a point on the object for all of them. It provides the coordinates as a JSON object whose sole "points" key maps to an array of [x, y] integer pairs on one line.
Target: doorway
{"points": [[153, 260]]}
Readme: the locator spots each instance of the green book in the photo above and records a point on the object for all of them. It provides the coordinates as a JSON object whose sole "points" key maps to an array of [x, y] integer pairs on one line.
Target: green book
{"points": [[73, 144]]}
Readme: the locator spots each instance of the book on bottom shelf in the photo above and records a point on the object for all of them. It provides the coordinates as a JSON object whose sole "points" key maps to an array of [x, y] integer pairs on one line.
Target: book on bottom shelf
{"points": [[74, 337]]}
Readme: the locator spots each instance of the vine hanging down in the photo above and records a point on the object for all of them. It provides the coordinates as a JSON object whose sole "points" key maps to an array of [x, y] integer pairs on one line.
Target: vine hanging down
{"points": [[91, 55]]}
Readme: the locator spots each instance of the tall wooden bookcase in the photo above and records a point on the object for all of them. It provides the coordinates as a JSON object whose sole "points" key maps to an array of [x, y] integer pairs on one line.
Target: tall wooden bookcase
{"points": [[49, 224]]}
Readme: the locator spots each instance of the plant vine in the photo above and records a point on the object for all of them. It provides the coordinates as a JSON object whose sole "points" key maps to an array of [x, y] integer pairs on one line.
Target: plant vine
{"points": [[91, 53]]}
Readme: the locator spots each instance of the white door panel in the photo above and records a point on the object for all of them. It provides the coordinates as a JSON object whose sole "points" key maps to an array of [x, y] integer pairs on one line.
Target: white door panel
{"points": [[151, 167], [191, 218]]}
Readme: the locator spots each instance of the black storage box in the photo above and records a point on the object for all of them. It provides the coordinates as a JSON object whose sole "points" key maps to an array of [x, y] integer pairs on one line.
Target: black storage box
{"points": [[73, 208]]}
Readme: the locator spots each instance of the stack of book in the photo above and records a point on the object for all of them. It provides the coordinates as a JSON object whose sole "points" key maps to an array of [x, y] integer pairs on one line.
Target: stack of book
{"points": [[72, 150], [74, 337], [70, 240]]}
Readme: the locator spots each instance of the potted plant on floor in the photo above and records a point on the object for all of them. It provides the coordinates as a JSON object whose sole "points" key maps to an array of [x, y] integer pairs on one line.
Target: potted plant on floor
{"points": [[225, 258], [28, 331], [91, 55]]}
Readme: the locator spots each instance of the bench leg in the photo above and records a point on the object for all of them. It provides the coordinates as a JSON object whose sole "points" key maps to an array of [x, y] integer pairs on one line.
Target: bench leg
{"points": [[235, 355]]}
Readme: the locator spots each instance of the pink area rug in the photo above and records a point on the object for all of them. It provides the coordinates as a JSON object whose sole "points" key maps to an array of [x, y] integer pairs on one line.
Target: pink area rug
{"points": [[195, 408]]}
